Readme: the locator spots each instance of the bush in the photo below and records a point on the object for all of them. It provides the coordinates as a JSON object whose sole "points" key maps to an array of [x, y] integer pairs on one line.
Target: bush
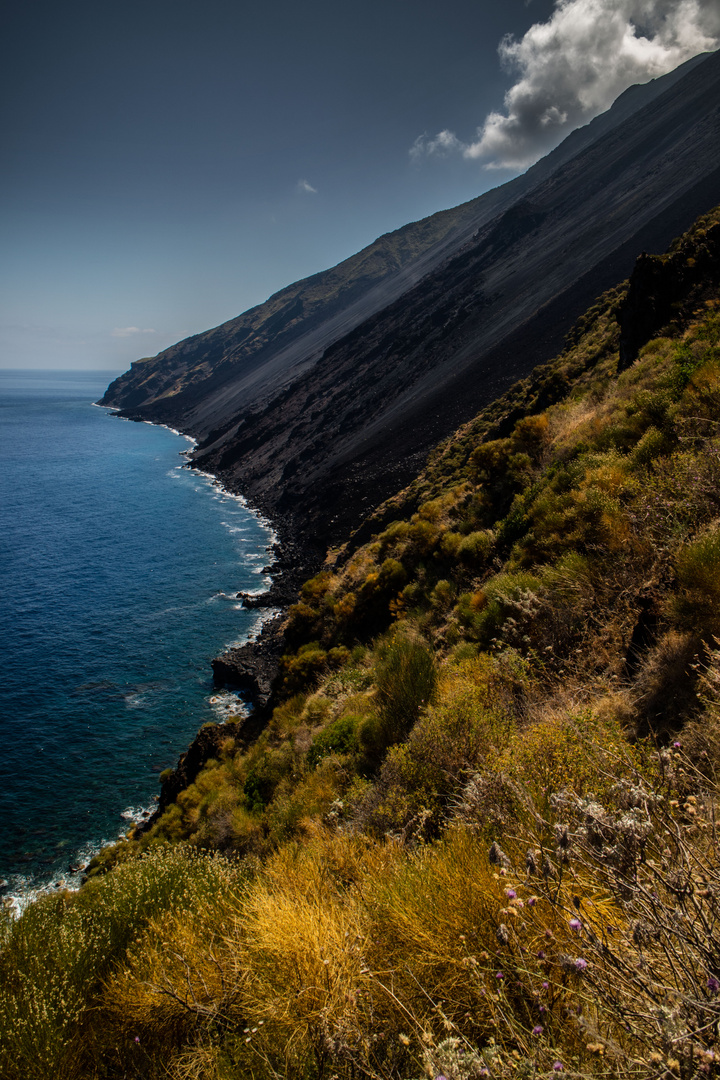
{"points": [[57, 954], [471, 720], [302, 670], [405, 677], [698, 570], [339, 737]]}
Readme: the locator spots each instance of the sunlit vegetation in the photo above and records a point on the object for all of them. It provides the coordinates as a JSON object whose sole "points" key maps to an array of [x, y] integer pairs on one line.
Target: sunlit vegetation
{"points": [[478, 834]]}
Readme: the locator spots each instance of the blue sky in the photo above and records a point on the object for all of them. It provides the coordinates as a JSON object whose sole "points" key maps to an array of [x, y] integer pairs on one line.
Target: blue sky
{"points": [[168, 164]]}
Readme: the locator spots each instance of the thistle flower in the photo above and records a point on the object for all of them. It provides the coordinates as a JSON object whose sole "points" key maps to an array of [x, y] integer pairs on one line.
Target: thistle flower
{"points": [[499, 976], [510, 893], [538, 1029], [580, 964], [713, 984], [557, 1066], [576, 925]]}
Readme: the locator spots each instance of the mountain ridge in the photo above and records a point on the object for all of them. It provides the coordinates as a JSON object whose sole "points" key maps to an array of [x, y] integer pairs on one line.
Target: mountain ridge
{"points": [[358, 422], [201, 382]]}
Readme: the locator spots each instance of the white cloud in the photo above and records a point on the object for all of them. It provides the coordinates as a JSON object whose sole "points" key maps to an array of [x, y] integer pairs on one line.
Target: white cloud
{"points": [[444, 143], [306, 187], [573, 66], [128, 331]]}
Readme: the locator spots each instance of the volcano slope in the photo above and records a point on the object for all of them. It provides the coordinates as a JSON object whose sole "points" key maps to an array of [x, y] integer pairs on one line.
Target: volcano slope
{"points": [[335, 403]]}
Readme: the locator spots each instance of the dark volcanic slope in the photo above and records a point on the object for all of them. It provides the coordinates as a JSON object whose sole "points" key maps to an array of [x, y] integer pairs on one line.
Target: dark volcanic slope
{"points": [[325, 399], [352, 427], [203, 383]]}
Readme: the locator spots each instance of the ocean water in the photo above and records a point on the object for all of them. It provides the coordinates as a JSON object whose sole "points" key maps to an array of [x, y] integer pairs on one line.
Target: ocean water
{"points": [[119, 570]]}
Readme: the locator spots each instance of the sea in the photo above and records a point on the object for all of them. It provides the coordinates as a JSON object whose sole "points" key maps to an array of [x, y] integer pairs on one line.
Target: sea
{"points": [[119, 574]]}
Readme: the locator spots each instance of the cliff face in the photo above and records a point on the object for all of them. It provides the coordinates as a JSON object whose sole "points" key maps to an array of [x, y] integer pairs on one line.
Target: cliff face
{"points": [[325, 400]]}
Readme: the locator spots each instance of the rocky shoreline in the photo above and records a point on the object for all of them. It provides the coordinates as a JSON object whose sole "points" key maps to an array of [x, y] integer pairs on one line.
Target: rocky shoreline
{"points": [[250, 668]]}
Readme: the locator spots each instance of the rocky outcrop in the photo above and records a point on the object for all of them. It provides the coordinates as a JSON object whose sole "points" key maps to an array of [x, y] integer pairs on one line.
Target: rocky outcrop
{"points": [[206, 745], [661, 284], [252, 667]]}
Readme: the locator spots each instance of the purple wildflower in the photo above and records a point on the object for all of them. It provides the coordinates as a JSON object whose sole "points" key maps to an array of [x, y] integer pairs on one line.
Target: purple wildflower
{"points": [[576, 925], [532, 901], [558, 1066], [546, 986], [137, 1038], [499, 976], [713, 984], [580, 964], [677, 745], [510, 893], [541, 954], [538, 1029]]}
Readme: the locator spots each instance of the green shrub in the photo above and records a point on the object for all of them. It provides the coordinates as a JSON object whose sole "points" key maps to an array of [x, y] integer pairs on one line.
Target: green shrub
{"points": [[405, 677], [475, 547], [339, 737], [503, 597], [698, 570], [302, 670]]}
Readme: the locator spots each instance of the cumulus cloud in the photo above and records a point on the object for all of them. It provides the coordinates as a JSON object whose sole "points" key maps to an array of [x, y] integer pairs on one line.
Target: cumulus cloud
{"points": [[128, 331], [306, 187], [573, 66]]}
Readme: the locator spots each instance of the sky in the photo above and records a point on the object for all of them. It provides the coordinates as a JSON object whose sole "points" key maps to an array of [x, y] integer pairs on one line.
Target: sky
{"points": [[170, 163]]}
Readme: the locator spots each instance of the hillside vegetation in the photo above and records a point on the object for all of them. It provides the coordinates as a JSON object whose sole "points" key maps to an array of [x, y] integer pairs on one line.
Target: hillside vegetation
{"points": [[478, 836]]}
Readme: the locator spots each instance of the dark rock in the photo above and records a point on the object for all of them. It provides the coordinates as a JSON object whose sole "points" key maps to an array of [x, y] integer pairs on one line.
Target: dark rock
{"points": [[659, 284], [357, 424], [252, 667], [255, 600], [206, 745]]}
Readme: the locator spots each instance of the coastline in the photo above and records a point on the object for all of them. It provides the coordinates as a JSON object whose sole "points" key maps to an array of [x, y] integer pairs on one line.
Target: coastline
{"points": [[18, 887], [248, 668]]}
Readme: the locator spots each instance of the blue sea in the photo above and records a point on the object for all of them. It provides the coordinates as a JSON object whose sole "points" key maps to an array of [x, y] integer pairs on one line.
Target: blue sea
{"points": [[119, 569]]}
